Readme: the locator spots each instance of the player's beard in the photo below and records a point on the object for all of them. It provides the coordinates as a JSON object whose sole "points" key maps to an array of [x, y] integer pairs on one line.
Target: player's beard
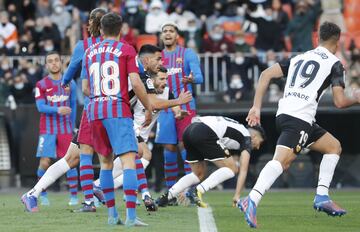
{"points": [[55, 72]]}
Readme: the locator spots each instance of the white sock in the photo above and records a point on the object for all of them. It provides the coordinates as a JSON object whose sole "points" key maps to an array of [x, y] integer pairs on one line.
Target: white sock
{"points": [[215, 178], [53, 173], [117, 168], [326, 172], [118, 181], [267, 177], [184, 182], [145, 162]]}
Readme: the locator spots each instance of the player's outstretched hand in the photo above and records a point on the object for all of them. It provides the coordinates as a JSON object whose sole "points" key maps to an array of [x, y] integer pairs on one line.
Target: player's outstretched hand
{"points": [[64, 110], [253, 117], [185, 97], [188, 79], [148, 118], [180, 114]]}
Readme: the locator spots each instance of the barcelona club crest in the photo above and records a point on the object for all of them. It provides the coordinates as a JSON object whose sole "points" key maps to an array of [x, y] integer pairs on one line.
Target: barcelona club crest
{"points": [[179, 60]]}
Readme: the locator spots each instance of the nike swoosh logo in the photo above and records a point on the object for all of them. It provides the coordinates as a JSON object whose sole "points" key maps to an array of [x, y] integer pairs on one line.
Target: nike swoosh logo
{"points": [[48, 90]]}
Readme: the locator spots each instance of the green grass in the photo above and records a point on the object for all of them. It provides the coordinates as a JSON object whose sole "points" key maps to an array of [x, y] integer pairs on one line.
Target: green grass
{"points": [[285, 211]]}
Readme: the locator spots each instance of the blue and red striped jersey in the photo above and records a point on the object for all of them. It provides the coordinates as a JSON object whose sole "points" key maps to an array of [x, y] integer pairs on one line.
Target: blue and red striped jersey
{"points": [[76, 61], [49, 96], [106, 66], [180, 63]]}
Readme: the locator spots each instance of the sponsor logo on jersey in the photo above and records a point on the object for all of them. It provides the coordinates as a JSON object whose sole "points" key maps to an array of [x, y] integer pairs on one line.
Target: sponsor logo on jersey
{"points": [[172, 71], [150, 83], [298, 95], [107, 98], [48, 90], [57, 98]]}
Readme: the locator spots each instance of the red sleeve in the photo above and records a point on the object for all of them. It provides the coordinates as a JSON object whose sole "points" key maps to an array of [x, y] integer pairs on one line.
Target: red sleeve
{"points": [[131, 60], [39, 92]]}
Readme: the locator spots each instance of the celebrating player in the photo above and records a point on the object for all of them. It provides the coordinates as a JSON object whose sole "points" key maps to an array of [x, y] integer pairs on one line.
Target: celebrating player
{"points": [[307, 76]]}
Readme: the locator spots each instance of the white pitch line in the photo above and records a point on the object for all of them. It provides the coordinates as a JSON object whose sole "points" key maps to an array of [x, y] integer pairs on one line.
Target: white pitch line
{"points": [[206, 220]]}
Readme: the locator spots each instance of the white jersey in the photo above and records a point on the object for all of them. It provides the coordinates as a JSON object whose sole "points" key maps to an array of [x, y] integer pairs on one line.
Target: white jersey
{"points": [[230, 132], [308, 75], [139, 115]]}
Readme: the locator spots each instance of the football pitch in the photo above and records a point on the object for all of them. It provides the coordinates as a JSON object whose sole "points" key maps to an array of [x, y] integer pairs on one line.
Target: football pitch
{"points": [[280, 211]]}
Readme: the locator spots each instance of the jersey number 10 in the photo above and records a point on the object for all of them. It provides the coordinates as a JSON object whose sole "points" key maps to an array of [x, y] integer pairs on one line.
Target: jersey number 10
{"points": [[105, 78], [308, 71]]}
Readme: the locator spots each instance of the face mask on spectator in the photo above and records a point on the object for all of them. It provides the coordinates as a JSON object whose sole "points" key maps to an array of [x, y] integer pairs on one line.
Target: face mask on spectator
{"points": [[5, 66], [271, 63], [58, 9], [49, 48], [268, 18], [132, 10], [240, 41], [19, 85], [239, 60], [216, 36], [192, 28], [32, 71], [155, 11]]}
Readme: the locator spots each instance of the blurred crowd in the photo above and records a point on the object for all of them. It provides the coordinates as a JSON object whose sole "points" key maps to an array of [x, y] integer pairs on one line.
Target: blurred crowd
{"points": [[243, 33]]}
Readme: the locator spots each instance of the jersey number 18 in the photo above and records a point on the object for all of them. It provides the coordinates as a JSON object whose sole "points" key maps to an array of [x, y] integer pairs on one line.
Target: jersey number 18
{"points": [[105, 78]]}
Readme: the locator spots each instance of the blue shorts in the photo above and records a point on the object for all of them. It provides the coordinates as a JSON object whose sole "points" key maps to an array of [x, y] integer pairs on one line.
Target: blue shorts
{"points": [[116, 134], [53, 145], [166, 128]]}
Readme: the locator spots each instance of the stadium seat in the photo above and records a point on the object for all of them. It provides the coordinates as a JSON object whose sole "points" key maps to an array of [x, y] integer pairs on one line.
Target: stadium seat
{"points": [[146, 39], [250, 38], [231, 27]]}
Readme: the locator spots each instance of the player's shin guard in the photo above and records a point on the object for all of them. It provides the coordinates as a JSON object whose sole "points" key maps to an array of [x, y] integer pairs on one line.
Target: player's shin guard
{"points": [[40, 172], [141, 177], [187, 167], [130, 193], [170, 167], [87, 177], [107, 186], [72, 180]]}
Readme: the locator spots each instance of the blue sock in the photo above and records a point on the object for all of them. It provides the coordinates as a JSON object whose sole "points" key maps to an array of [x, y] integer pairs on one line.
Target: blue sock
{"points": [[40, 172], [72, 179], [187, 167], [130, 192], [87, 176], [107, 186], [170, 167]]}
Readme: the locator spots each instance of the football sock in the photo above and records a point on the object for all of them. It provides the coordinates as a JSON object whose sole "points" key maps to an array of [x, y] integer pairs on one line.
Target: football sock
{"points": [[118, 181], [326, 172], [40, 173], [72, 180], [117, 171], [107, 186], [141, 177], [53, 173], [170, 167], [267, 177], [184, 182], [87, 177], [187, 167], [215, 178], [130, 193]]}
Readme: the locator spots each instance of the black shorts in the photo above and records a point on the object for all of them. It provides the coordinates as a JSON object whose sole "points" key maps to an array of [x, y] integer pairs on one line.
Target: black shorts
{"points": [[296, 133], [140, 139], [201, 143]]}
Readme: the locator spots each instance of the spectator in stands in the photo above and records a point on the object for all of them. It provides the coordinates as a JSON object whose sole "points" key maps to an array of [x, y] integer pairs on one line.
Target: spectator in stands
{"points": [[134, 17], [48, 31], [181, 17], [269, 34], [280, 16], [232, 17], [212, 19], [28, 10], [193, 35], [333, 12], [127, 34], [43, 8], [46, 46], [8, 34], [240, 44], [155, 17], [300, 28], [26, 45], [235, 89], [15, 17], [22, 90], [60, 17], [4, 66], [217, 42]]}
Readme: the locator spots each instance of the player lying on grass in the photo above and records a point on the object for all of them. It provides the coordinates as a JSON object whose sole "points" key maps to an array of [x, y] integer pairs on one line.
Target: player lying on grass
{"points": [[211, 138]]}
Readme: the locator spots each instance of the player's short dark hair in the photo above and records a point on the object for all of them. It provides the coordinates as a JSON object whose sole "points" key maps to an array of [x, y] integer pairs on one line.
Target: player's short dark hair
{"points": [[95, 17], [259, 129], [329, 31], [52, 53], [148, 49], [163, 69], [111, 24]]}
